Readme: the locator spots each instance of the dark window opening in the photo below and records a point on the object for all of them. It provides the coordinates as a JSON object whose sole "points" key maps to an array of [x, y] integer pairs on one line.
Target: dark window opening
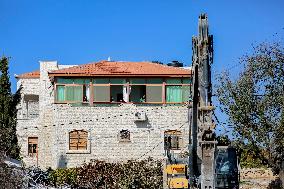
{"points": [[32, 146], [124, 135], [117, 93], [172, 140], [138, 93]]}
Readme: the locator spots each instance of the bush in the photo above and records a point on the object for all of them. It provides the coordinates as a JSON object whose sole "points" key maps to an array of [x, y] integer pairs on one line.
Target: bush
{"points": [[102, 175], [132, 174], [63, 177]]}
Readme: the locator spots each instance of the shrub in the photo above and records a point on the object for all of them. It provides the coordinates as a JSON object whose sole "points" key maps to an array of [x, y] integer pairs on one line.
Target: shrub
{"points": [[63, 177], [132, 174]]}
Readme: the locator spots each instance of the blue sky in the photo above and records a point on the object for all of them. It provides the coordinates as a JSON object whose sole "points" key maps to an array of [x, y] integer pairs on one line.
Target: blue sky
{"points": [[78, 32]]}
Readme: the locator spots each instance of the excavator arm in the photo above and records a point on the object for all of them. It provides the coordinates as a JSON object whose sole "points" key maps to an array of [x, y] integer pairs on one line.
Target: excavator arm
{"points": [[203, 143]]}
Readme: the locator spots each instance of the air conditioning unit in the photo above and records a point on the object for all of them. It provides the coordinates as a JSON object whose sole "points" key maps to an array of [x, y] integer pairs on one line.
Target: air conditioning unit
{"points": [[140, 116]]}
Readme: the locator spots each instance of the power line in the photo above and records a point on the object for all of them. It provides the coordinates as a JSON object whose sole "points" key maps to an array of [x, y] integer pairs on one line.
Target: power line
{"points": [[158, 144]]}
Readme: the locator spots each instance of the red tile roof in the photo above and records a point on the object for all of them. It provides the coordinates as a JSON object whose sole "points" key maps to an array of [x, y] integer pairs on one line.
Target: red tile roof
{"points": [[110, 68], [34, 74]]}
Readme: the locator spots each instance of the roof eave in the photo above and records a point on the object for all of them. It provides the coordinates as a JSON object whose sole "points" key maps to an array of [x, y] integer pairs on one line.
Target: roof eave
{"points": [[118, 75], [26, 77]]}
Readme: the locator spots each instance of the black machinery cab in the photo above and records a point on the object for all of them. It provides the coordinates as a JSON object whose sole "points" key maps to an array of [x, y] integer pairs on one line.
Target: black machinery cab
{"points": [[226, 168]]}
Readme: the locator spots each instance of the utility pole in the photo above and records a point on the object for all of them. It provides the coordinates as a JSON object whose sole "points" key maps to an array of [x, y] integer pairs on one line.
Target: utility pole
{"points": [[202, 136]]}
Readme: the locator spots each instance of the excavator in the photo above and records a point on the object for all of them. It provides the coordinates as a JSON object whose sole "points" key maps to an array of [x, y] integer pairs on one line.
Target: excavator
{"points": [[209, 165]]}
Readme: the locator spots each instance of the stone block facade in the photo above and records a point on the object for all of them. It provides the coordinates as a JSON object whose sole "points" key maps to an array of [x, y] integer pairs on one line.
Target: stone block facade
{"points": [[52, 123]]}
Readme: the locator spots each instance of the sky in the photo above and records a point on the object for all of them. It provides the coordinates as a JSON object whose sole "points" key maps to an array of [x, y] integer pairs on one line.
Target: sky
{"points": [[79, 32]]}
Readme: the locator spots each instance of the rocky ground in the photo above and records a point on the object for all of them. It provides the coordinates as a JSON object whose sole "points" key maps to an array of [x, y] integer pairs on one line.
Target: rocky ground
{"points": [[257, 179]]}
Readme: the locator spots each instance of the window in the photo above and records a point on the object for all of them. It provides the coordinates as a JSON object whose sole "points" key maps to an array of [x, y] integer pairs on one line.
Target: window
{"points": [[101, 93], [177, 90], [30, 107], [72, 93], [117, 93], [124, 135], [138, 93], [174, 94], [110, 90], [172, 140], [78, 140], [32, 146], [60, 94], [118, 90], [72, 90], [146, 90], [123, 90], [154, 93]]}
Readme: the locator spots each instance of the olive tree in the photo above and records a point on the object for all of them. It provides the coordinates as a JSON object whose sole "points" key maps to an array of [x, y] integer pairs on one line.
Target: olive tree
{"points": [[254, 103]]}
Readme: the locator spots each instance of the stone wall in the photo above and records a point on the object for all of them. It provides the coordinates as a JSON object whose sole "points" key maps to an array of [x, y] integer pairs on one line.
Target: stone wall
{"points": [[27, 128], [28, 110], [29, 85], [28, 122], [104, 125]]}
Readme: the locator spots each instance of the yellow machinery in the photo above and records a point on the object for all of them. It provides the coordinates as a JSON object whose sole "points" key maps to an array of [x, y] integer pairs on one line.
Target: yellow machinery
{"points": [[209, 167], [177, 176]]}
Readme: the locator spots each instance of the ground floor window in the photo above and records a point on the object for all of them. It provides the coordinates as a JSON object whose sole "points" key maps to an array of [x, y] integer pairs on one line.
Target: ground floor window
{"points": [[78, 140], [173, 140], [124, 135], [32, 146]]}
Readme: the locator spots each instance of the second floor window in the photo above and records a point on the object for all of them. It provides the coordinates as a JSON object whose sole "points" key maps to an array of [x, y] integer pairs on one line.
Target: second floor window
{"points": [[73, 90], [120, 90]]}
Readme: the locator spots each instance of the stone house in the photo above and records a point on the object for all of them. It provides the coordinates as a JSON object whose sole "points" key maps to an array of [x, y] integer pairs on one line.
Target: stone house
{"points": [[112, 111]]}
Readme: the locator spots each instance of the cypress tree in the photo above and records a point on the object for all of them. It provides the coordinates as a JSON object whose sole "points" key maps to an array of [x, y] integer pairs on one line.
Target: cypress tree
{"points": [[8, 112]]}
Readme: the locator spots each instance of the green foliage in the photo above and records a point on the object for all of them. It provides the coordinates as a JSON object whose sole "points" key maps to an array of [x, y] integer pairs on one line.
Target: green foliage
{"points": [[254, 105], [61, 177], [223, 140], [8, 112], [138, 174], [99, 174], [250, 158]]}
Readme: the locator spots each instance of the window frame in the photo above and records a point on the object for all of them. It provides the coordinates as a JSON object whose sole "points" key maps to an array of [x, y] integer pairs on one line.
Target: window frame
{"points": [[128, 139], [33, 154], [175, 133], [127, 84], [65, 93], [78, 151]]}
